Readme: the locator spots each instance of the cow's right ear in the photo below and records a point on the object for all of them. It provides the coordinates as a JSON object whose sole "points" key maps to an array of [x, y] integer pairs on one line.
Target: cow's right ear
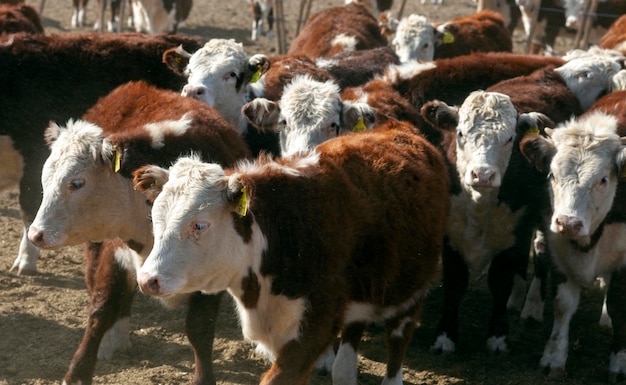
{"points": [[257, 66], [262, 114], [440, 115], [51, 134], [177, 59], [150, 181], [538, 150]]}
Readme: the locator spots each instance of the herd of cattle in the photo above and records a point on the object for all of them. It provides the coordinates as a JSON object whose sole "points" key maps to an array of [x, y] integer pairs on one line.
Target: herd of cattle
{"points": [[324, 189]]}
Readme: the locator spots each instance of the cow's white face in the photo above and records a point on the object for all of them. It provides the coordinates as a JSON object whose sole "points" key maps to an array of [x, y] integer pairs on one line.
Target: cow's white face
{"points": [[310, 113], [485, 136], [414, 39], [572, 12], [215, 76], [589, 76], [83, 198], [583, 174], [196, 244]]}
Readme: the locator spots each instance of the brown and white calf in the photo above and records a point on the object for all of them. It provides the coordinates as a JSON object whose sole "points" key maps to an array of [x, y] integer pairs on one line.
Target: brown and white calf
{"points": [[264, 231], [338, 29], [88, 196], [490, 225], [262, 12], [48, 70], [19, 18], [584, 159]]}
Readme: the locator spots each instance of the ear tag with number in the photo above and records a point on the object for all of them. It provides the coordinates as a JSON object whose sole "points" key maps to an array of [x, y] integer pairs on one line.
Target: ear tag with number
{"points": [[359, 126], [242, 207], [257, 75], [117, 159], [448, 38]]}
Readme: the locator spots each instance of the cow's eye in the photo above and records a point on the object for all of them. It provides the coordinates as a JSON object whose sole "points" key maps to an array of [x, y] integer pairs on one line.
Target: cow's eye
{"points": [[233, 75], [76, 184], [604, 181], [510, 140], [200, 226], [550, 176]]}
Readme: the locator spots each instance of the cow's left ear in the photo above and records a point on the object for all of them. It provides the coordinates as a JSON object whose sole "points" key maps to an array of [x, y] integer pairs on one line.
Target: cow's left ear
{"points": [[440, 115], [52, 133], [357, 116], [257, 66], [532, 123], [150, 181], [238, 195], [262, 114], [177, 59]]}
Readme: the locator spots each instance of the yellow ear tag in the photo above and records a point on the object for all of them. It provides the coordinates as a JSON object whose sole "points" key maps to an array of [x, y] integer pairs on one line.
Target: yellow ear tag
{"points": [[448, 38], [242, 207], [117, 160], [359, 126], [178, 59], [257, 75], [532, 131]]}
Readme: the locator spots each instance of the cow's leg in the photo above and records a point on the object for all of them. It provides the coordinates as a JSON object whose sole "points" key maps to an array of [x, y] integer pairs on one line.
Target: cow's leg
{"points": [[345, 365], [257, 15], [565, 305], [111, 288], [398, 333], [455, 281], [270, 24], [536, 296], [616, 306], [200, 328], [29, 200]]}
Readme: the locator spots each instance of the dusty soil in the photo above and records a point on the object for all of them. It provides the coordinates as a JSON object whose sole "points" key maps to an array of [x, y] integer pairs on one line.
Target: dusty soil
{"points": [[42, 317]]}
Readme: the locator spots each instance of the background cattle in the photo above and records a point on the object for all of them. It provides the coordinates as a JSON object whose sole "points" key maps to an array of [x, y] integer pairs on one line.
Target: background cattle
{"points": [[339, 256], [89, 196], [67, 74], [262, 13], [19, 18], [163, 16]]}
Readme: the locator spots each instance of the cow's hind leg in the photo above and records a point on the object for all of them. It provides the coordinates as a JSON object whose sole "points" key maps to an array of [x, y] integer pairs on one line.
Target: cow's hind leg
{"points": [[112, 288], [616, 306], [345, 365], [398, 333], [200, 328]]}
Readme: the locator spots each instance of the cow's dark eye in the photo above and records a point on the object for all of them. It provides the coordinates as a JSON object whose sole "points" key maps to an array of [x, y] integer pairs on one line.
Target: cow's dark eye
{"points": [[233, 75], [604, 180], [199, 226], [550, 176], [77, 184], [510, 140]]}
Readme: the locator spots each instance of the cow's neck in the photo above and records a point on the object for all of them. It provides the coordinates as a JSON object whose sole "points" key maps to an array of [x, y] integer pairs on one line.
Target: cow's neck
{"points": [[136, 225]]}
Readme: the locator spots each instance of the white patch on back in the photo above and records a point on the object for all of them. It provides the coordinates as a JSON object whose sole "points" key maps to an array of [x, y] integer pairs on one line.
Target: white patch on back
{"points": [[159, 130], [347, 42]]}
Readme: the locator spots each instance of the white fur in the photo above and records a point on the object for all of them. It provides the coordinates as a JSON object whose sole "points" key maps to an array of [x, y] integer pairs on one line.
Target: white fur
{"points": [[444, 343], [159, 130], [534, 305], [414, 39], [116, 339], [345, 366]]}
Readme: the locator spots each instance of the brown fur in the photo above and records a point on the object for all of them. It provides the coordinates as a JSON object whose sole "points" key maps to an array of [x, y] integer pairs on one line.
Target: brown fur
{"points": [[615, 37], [19, 18], [351, 19], [481, 32], [354, 68]]}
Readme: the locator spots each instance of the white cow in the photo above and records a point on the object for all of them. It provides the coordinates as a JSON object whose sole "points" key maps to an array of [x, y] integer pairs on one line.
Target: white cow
{"points": [[415, 39], [587, 233]]}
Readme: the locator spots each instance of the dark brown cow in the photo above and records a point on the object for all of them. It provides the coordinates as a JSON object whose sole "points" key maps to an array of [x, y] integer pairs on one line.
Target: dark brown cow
{"points": [[484, 31], [19, 18], [67, 74], [338, 29], [371, 259], [136, 124]]}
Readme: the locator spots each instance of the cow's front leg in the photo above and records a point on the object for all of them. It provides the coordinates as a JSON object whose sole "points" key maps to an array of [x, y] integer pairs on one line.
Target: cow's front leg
{"points": [[455, 281], [565, 305], [200, 328], [616, 307], [27, 256]]}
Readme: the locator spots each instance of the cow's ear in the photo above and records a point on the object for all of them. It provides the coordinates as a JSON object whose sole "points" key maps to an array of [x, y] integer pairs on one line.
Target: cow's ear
{"points": [[532, 123], [621, 159], [177, 59], [257, 66], [150, 181], [52, 133], [262, 114], [238, 196], [357, 116], [538, 150], [440, 115]]}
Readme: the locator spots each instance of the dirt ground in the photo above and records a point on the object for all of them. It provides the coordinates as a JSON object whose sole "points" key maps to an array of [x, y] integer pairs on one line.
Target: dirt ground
{"points": [[42, 317]]}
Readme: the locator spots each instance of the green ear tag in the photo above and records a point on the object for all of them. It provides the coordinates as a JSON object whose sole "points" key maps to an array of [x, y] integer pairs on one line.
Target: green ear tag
{"points": [[117, 159], [257, 75], [359, 126], [242, 207], [532, 131], [448, 38]]}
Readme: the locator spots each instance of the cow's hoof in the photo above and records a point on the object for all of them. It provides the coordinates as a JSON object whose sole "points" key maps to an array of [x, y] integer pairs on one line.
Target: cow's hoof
{"points": [[443, 344], [497, 345]]}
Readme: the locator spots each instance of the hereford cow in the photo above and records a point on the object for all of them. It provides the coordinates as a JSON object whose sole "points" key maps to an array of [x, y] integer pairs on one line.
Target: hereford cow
{"points": [[164, 16], [88, 196], [79, 14], [491, 221], [19, 18], [415, 38], [40, 70], [338, 29], [606, 13], [273, 244], [584, 159], [542, 20]]}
